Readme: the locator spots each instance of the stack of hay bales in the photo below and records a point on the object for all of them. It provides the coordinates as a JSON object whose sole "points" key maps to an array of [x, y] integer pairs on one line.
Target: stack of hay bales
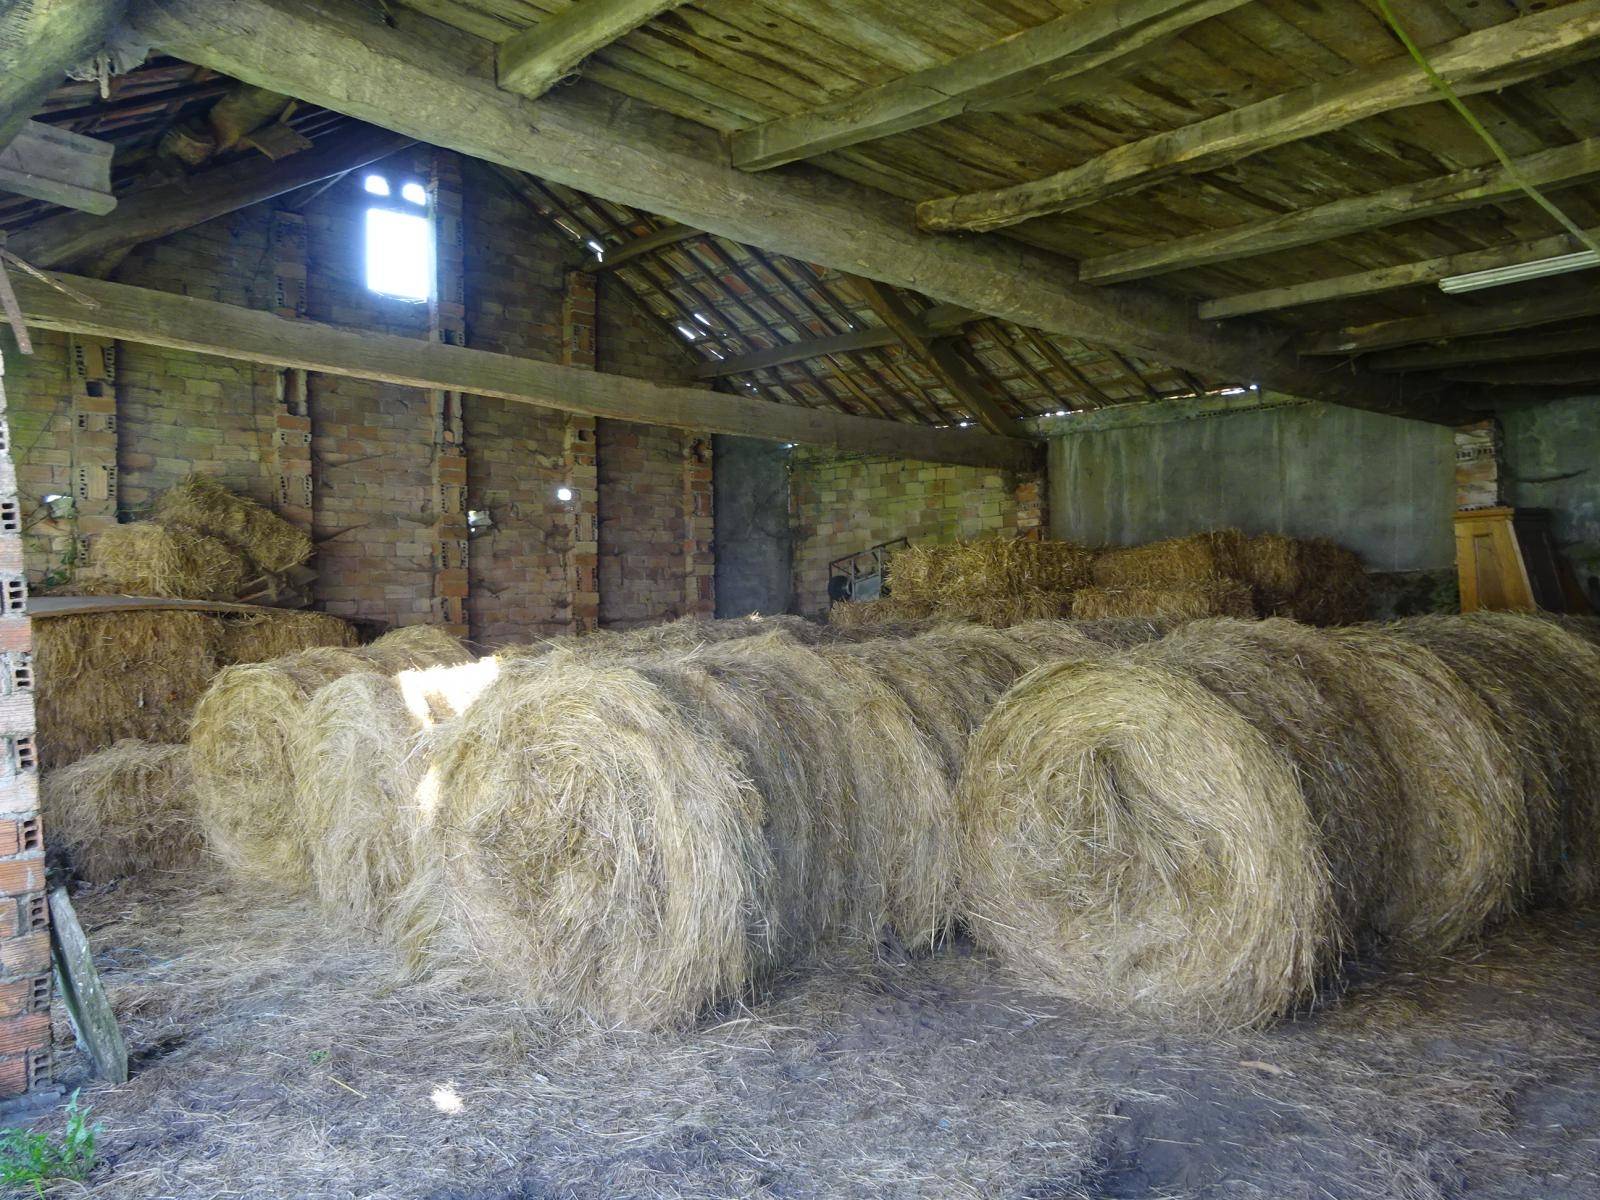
{"points": [[125, 810], [1202, 827], [1221, 573], [205, 543]]}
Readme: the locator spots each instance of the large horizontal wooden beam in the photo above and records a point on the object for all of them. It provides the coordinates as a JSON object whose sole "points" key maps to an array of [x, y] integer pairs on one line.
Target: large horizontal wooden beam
{"points": [[427, 80], [159, 211], [1434, 197], [39, 40], [1044, 57], [1486, 60], [1456, 323], [534, 61], [1387, 279], [1558, 372], [205, 327], [1519, 348]]}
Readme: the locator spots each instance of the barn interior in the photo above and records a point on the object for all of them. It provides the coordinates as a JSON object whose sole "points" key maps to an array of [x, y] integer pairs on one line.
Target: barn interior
{"points": [[798, 598]]}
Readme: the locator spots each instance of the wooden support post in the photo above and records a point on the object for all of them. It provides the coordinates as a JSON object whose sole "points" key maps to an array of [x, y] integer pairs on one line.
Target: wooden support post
{"points": [[25, 1055], [579, 348], [92, 375], [447, 323], [291, 434]]}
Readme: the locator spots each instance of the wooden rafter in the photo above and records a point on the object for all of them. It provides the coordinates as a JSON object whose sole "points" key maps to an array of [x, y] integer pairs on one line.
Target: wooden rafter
{"points": [[934, 322], [534, 61], [1385, 279], [1486, 60], [670, 234], [228, 331], [937, 355], [1443, 194], [1456, 323], [426, 80], [1488, 349], [1547, 373], [1046, 57]]}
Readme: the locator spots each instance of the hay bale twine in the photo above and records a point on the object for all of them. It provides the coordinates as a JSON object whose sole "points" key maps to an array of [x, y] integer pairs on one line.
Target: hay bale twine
{"points": [[127, 810], [147, 559], [1132, 840], [1177, 602], [103, 677], [203, 505], [1462, 839], [1542, 683]]}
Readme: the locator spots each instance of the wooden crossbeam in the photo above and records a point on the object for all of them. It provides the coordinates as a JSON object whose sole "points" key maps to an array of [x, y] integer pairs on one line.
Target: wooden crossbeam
{"points": [[1552, 373], [1045, 57], [1387, 279], [40, 41], [427, 80], [670, 234], [936, 354], [59, 167], [1457, 323], [1443, 194], [534, 61], [933, 322], [159, 211], [1487, 350], [205, 327], [1486, 60]]}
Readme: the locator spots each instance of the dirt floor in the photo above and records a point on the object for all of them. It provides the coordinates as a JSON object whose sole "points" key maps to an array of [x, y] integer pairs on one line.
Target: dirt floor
{"points": [[275, 1059]]}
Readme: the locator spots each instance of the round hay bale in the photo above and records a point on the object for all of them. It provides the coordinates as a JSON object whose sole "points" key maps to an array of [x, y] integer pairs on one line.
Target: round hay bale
{"points": [[205, 506], [1542, 684], [127, 810], [602, 850], [147, 559], [103, 677], [1178, 602], [361, 761], [1197, 558], [1295, 685], [1133, 841], [1462, 837], [257, 637]]}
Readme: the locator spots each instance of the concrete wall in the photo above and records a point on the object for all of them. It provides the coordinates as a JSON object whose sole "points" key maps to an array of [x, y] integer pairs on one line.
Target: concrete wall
{"points": [[1552, 461], [755, 543], [1380, 485]]}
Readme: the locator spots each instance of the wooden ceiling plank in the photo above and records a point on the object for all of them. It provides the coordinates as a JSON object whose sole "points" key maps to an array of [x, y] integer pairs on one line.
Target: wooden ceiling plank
{"points": [[535, 60], [1385, 279], [1045, 56], [206, 327], [166, 209], [428, 81], [1562, 165], [1487, 60], [1524, 313]]}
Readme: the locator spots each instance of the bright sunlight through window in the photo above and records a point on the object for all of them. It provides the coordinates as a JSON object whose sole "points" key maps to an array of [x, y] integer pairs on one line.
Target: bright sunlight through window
{"points": [[399, 254]]}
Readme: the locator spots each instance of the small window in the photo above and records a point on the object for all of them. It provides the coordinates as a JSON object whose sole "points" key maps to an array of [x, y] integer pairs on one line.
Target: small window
{"points": [[399, 241]]}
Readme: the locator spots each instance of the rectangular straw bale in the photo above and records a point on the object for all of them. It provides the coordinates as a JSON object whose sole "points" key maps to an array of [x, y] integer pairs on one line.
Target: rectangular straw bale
{"points": [[1186, 601], [202, 504], [1198, 558], [147, 559]]}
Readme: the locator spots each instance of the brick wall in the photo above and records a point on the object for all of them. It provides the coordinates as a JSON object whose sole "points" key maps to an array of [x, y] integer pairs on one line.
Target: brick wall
{"points": [[844, 504], [372, 455]]}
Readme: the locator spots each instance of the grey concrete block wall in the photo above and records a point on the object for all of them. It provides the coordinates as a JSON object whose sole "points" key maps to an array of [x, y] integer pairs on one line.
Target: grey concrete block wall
{"points": [[755, 544], [1552, 461], [1380, 485]]}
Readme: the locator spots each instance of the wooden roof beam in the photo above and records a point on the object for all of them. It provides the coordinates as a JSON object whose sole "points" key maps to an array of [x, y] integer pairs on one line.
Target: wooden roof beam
{"points": [[934, 322], [1443, 194], [1462, 322], [177, 322], [1488, 350], [534, 61], [1486, 60], [159, 211], [937, 355], [670, 234], [1553, 373], [1044, 57], [1386, 279], [427, 80], [42, 39]]}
